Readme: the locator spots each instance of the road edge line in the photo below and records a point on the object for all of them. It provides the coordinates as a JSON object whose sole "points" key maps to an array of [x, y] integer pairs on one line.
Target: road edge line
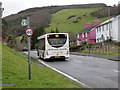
{"points": [[66, 75]]}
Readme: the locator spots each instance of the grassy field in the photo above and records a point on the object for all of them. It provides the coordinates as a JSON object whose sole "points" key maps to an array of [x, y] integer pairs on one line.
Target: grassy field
{"points": [[113, 50], [15, 71], [64, 19]]}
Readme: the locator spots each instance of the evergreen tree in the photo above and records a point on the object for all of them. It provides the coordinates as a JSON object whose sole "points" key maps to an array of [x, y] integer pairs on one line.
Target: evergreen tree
{"points": [[52, 31], [4, 29], [37, 32], [57, 31]]}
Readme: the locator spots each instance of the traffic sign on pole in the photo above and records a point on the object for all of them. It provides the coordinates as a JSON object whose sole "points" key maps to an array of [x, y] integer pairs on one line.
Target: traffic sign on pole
{"points": [[24, 22], [29, 32]]}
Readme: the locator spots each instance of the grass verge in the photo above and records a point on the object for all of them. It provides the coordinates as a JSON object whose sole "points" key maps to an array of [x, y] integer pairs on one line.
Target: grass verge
{"points": [[15, 71]]}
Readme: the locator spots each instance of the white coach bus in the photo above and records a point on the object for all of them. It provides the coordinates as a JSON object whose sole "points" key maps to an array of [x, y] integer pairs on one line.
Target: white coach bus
{"points": [[53, 45]]}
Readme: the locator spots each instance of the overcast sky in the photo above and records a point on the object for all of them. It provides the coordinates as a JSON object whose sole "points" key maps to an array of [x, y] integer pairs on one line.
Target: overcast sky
{"points": [[14, 6]]}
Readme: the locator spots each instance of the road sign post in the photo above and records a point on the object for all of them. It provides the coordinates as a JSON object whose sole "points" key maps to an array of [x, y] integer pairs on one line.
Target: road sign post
{"points": [[29, 65], [29, 59], [28, 32]]}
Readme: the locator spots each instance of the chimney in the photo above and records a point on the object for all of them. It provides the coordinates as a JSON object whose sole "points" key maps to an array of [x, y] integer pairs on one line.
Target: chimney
{"points": [[96, 22], [87, 25]]}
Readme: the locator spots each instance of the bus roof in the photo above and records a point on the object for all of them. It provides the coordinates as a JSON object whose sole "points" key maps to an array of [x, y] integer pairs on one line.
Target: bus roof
{"points": [[43, 36]]}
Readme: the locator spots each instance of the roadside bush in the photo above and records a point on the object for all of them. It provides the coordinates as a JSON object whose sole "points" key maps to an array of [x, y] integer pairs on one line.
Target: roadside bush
{"points": [[84, 42], [110, 41], [11, 41], [89, 45]]}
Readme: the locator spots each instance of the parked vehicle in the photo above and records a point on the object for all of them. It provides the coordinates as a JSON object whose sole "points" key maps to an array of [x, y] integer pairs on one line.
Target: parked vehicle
{"points": [[25, 49]]}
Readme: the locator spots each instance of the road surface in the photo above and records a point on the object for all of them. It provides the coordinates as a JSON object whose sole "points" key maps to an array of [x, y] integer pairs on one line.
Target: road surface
{"points": [[93, 72]]}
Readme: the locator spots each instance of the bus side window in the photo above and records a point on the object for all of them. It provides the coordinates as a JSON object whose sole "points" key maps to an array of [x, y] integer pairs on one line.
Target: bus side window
{"points": [[41, 44], [43, 47], [37, 44]]}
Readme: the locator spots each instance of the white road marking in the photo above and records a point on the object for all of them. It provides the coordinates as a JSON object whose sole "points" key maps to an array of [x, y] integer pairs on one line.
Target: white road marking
{"points": [[116, 71], [95, 58], [66, 75], [77, 61]]}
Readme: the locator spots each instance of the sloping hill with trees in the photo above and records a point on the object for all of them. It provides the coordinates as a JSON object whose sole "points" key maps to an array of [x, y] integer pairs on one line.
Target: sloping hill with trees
{"points": [[40, 16], [68, 18]]}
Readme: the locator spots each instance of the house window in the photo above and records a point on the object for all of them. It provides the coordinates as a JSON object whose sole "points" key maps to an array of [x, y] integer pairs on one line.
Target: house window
{"points": [[78, 36], [103, 27], [111, 25], [86, 34], [97, 29], [107, 37], [83, 35], [100, 29], [107, 27]]}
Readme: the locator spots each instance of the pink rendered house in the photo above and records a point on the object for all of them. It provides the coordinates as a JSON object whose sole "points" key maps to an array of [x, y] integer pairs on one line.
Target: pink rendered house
{"points": [[88, 34]]}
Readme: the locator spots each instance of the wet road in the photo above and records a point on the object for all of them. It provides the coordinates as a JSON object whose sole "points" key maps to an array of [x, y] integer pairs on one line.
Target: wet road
{"points": [[93, 72]]}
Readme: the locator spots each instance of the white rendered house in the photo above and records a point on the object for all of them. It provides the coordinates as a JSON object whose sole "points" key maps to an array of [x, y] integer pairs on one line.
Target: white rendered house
{"points": [[109, 29]]}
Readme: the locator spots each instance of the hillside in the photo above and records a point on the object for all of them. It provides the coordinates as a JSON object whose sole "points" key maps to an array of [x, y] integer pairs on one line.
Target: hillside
{"points": [[105, 12], [73, 20], [15, 73], [40, 16]]}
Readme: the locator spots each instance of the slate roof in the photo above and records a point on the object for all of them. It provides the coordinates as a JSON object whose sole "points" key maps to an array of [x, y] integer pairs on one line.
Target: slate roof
{"points": [[87, 29]]}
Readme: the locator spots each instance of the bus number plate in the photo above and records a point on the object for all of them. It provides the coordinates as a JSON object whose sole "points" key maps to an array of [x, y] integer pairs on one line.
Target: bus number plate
{"points": [[57, 56]]}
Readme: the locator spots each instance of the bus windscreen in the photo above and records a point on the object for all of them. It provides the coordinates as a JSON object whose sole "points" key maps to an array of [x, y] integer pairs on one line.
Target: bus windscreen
{"points": [[57, 40]]}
